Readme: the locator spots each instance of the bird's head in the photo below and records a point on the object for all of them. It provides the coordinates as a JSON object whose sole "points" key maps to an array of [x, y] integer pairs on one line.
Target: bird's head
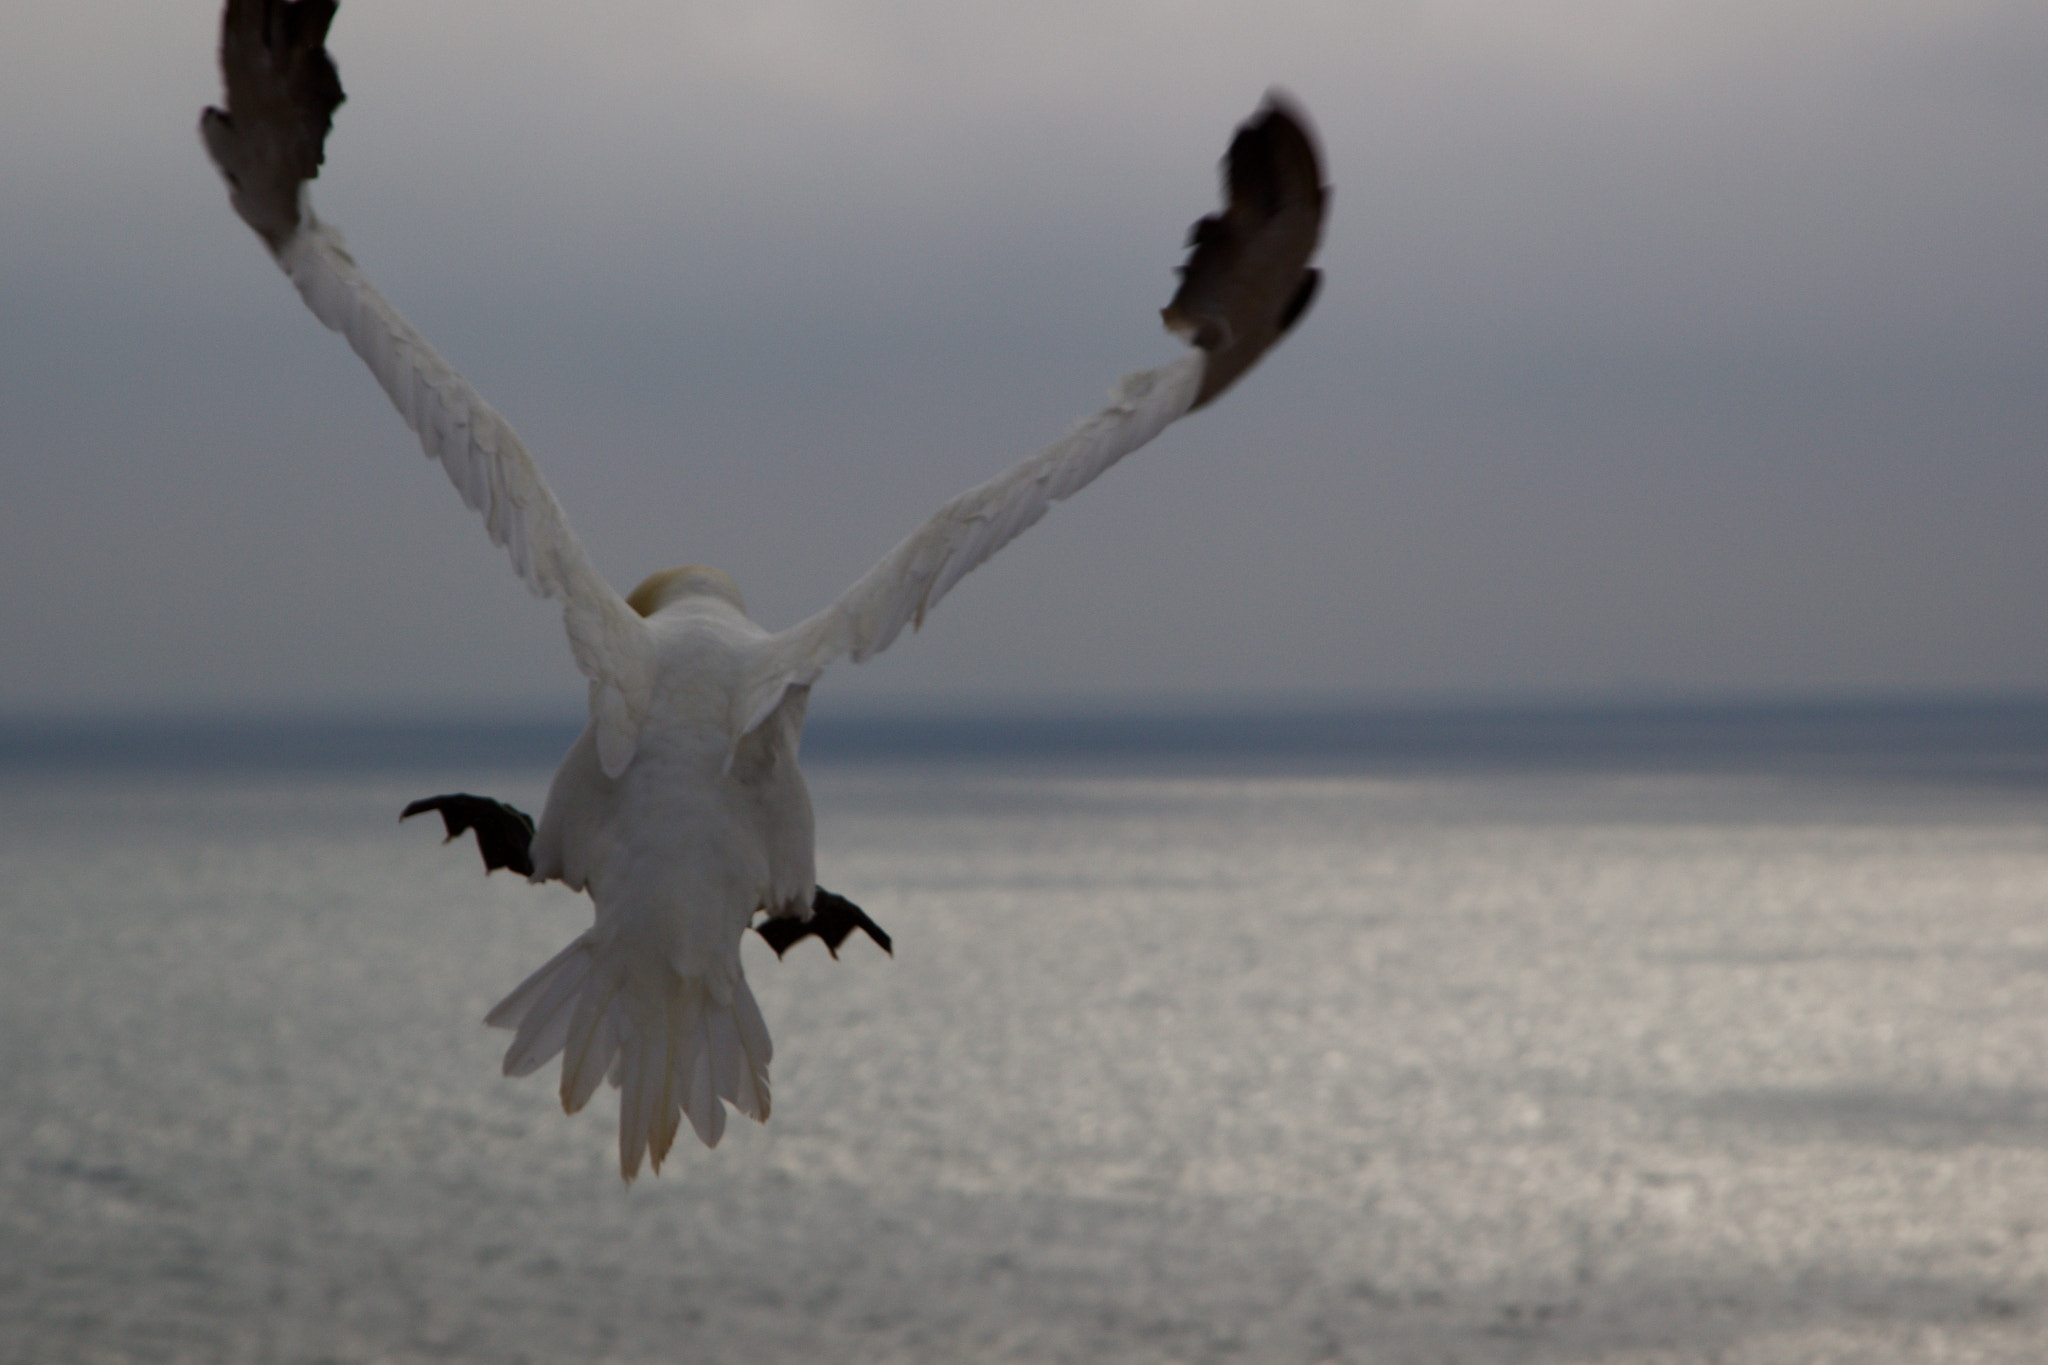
{"points": [[691, 580]]}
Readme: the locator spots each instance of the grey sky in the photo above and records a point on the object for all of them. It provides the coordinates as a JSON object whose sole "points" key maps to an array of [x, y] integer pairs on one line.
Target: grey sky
{"points": [[1662, 346]]}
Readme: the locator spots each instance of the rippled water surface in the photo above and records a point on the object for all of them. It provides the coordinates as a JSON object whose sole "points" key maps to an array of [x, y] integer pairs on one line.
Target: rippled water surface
{"points": [[1168, 1066]]}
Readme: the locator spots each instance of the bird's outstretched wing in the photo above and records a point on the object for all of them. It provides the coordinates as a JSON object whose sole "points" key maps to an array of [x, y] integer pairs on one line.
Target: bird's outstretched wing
{"points": [[1246, 282], [282, 91]]}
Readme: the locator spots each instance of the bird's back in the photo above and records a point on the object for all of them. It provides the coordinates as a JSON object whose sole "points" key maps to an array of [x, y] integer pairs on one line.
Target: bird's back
{"points": [[678, 852]]}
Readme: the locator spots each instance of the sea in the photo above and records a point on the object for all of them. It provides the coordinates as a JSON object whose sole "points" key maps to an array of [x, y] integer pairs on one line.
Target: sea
{"points": [[1646, 1033]]}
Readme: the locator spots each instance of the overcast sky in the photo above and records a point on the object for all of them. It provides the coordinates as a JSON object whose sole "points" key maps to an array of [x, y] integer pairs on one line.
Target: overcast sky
{"points": [[1663, 348]]}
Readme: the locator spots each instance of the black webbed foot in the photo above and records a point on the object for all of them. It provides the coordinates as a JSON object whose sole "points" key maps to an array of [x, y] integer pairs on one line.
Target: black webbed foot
{"points": [[833, 917], [503, 834]]}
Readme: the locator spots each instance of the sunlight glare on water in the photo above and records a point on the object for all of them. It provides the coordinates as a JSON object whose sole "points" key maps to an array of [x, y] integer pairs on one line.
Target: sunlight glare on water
{"points": [[1480, 1067]]}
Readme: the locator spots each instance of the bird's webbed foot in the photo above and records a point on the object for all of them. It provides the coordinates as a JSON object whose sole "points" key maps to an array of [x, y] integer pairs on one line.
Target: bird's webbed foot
{"points": [[833, 917], [504, 834]]}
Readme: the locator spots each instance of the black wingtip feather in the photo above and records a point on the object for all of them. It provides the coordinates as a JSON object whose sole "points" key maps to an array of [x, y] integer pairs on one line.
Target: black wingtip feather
{"points": [[281, 91], [1247, 278]]}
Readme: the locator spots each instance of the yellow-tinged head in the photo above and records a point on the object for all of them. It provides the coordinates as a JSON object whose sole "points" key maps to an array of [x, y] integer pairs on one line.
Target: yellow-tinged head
{"points": [[691, 580]]}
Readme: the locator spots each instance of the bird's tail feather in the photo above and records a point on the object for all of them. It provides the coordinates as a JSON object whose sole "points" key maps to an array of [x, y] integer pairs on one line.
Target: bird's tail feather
{"points": [[665, 1040]]}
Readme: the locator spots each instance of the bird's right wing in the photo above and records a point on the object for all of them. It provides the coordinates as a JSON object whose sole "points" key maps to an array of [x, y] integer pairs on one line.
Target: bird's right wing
{"points": [[1246, 282], [282, 91]]}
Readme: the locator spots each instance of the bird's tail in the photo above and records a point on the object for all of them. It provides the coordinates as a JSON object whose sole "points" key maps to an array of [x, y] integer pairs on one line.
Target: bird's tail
{"points": [[668, 1042]]}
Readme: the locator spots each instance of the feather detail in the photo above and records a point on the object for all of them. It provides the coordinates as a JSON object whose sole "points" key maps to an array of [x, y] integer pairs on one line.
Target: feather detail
{"points": [[544, 1030], [754, 1042], [508, 1013], [618, 728], [592, 1040], [675, 1045], [706, 1114]]}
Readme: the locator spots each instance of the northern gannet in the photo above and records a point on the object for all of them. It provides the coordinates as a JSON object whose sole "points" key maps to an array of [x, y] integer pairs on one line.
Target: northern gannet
{"points": [[680, 808]]}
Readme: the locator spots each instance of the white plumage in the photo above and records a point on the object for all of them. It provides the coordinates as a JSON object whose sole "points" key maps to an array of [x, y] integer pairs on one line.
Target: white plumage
{"points": [[680, 809]]}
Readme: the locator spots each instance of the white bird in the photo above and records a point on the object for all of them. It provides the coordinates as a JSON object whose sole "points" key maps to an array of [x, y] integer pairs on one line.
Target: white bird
{"points": [[680, 808]]}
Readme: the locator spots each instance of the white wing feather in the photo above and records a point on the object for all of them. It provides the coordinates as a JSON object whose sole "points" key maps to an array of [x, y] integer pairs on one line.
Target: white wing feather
{"points": [[911, 579], [495, 475], [282, 90]]}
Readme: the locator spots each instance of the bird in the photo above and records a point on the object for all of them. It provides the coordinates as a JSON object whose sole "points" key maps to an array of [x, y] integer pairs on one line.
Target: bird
{"points": [[680, 808]]}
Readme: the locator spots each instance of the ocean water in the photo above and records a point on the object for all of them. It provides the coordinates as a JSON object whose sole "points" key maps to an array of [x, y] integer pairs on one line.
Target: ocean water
{"points": [[1581, 1036]]}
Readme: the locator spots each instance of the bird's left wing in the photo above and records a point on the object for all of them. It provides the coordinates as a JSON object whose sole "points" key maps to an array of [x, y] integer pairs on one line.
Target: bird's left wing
{"points": [[1246, 282], [909, 581], [282, 91]]}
